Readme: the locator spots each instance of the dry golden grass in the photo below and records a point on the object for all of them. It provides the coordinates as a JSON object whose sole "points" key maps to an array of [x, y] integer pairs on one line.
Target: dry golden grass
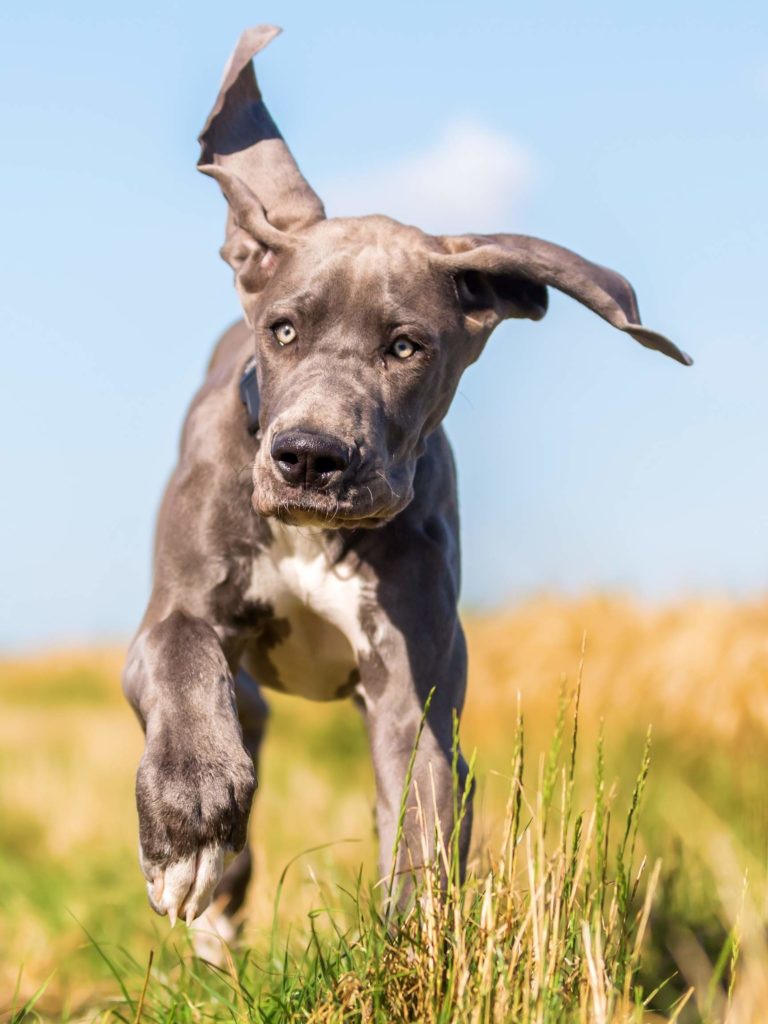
{"points": [[697, 671]]}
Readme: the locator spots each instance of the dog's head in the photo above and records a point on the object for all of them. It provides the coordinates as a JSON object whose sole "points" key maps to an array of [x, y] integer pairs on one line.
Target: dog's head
{"points": [[363, 326]]}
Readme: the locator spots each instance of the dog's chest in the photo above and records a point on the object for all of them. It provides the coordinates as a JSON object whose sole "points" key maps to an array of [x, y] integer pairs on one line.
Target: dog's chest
{"points": [[312, 643]]}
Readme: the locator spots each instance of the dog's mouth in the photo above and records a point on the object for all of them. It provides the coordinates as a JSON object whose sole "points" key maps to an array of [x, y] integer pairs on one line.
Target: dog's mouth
{"points": [[300, 515], [328, 517], [308, 507], [364, 498]]}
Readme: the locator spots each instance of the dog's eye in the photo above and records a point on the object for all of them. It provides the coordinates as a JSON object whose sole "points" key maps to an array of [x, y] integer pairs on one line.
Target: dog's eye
{"points": [[284, 332], [403, 348]]}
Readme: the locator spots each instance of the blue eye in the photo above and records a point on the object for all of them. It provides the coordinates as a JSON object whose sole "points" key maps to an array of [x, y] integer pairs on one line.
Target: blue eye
{"points": [[403, 348], [284, 332]]}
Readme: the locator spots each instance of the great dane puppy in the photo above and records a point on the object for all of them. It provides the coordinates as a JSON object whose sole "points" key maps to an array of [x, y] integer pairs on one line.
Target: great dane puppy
{"points": [[308, 540]]}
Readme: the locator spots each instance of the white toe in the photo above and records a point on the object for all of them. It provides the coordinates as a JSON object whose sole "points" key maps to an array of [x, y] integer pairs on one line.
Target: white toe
{"points": [[155, 891], [178, 880], [209, 869]]}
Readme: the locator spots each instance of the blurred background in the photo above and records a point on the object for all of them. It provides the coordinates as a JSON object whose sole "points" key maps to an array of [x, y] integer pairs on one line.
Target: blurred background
{"points": [[636, 138], [634, 508]]}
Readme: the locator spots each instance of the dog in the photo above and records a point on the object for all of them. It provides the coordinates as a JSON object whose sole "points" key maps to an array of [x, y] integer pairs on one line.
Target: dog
{"points": [[308, 540]]}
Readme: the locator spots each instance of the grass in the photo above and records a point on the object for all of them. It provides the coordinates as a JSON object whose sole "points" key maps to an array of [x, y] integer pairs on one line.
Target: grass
{"points": [[598, 890]]}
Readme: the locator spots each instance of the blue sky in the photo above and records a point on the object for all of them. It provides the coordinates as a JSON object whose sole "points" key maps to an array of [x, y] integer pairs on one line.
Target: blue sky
{"points": [[635, 135]]}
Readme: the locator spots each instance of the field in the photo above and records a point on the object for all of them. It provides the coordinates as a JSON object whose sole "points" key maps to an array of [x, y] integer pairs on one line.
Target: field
{"points": [[554, 923]]}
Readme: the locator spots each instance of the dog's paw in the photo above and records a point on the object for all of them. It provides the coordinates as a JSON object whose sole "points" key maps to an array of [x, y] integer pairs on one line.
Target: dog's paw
{"points": [[184, 888], [193, 818]]}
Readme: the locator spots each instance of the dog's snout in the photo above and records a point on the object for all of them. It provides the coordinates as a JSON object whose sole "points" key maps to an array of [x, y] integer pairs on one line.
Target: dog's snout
{"points": [[308, 459]]}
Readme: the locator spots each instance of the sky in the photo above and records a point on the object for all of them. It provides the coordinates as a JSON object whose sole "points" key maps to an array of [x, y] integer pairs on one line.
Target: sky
{"points": [[633, 134]]}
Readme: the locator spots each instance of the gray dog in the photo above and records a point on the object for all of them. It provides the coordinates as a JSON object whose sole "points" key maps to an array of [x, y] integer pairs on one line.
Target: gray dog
{"points": [[309, 535]]}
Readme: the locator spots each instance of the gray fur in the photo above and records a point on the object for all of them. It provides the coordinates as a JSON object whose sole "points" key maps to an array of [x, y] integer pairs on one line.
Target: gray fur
{"points": [[339, 581]]}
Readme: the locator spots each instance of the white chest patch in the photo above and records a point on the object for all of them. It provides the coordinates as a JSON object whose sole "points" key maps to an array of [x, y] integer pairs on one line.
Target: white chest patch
{"points": [[322, 603], [335, 593]]}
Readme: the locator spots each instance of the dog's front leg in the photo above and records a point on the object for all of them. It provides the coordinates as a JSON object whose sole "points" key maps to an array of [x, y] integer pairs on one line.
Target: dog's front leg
{"points": [[419, 650], [195, 782]]}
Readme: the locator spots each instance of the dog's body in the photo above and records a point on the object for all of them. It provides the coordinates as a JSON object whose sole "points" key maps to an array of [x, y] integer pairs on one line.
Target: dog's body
{"points": [[319, 552], [319, 613]]}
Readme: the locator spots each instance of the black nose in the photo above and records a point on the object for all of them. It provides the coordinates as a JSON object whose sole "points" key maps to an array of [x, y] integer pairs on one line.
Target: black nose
{"points": [[311, 459]]}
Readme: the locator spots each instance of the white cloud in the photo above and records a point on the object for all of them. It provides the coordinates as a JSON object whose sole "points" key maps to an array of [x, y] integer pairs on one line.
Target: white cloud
{"points": [[472, 178]]}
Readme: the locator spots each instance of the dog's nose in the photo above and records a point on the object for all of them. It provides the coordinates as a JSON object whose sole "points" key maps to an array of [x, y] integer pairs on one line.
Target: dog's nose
{"points": [[311, 459]]}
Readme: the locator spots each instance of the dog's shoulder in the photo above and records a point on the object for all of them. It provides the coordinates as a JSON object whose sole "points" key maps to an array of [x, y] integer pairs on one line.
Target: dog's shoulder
{"points": [[230, 352], [206, 513], [216, 425], [216, 451]]}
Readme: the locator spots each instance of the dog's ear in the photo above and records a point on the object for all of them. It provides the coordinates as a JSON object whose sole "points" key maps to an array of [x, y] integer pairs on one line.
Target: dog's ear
{"points": [[242, 148], [501, 276]]}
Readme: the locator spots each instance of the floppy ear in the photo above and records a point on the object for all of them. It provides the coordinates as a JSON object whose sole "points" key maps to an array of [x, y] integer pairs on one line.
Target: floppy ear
{"points": [[501, 276], [242, 148]]}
